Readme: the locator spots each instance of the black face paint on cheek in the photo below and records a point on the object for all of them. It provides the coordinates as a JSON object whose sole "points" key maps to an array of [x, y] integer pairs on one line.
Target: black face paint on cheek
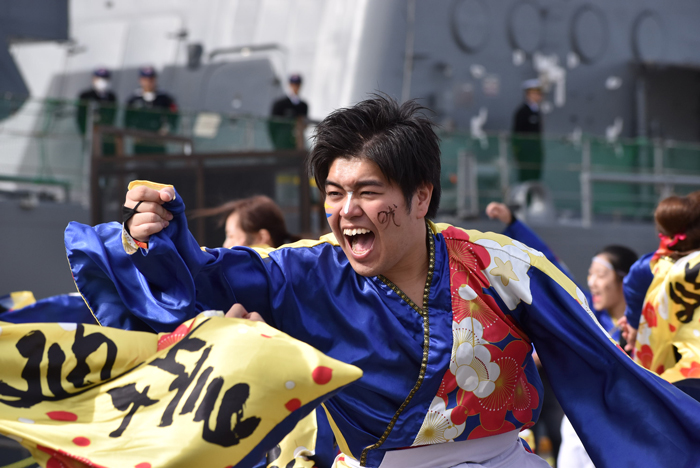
{"points": [[385, 216]]}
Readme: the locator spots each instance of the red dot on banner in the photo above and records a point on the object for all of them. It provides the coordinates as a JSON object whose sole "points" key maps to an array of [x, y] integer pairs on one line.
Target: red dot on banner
{"points": [[81, 441], [55, 463], [293, 404], [62, 416], [671, 327], [265, 336], [46, 449], [322, 375], [143, 465]]}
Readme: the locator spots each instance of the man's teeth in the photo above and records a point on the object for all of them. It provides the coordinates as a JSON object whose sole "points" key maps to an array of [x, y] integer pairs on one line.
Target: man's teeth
{"points": [[354, 232]]}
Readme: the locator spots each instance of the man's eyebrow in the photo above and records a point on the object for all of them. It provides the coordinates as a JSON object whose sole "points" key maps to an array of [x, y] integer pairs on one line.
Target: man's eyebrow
{"points": [[359, 184]]}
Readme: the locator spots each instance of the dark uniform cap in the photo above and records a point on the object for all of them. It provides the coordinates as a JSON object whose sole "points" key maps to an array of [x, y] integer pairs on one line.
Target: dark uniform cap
{"points": [[295, 79], [102, 73], [147, 72]]}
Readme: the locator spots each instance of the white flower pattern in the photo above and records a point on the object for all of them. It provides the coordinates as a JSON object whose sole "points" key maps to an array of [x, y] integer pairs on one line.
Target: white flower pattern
{"points": [[471, 361], [467, 293], [437, 426]]}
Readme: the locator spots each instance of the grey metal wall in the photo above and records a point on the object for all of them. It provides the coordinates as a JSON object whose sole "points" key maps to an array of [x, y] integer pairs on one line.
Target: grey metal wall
{"points": [[32, 254], [27, 20], [465, 55]]}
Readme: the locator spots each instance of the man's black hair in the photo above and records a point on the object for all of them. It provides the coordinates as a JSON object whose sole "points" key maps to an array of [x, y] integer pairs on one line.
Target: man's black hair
{"points": [[400, 139]]}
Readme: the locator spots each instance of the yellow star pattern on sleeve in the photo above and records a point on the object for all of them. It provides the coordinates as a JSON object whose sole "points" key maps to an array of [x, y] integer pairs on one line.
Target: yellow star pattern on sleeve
{"points": [[505, 271]]}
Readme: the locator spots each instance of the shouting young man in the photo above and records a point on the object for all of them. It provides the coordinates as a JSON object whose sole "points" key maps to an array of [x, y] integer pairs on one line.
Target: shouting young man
{"points": [[441, 320]]}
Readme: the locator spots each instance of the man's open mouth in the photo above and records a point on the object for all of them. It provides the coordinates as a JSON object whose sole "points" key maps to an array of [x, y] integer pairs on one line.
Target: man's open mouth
{"points": [[360, 240]]}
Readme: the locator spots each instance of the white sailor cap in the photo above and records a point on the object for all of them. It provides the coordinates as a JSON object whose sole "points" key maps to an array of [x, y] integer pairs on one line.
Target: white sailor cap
{"points": [[532, 84]]}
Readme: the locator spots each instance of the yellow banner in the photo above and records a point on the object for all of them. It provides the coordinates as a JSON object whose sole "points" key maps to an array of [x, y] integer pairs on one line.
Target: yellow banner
{"points": [[204, 395]]}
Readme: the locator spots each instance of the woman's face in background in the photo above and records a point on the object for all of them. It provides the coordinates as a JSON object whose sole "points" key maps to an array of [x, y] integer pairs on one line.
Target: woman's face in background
{"points": [[604, 284], [235, 235]]}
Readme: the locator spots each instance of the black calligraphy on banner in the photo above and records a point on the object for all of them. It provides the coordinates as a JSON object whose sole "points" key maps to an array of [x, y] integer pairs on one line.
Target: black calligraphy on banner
{"points": [[689, 301], [231, 424], [128, 398], [183, 379], [274, 455], [84, 346], [232, 404], [31, 346]]}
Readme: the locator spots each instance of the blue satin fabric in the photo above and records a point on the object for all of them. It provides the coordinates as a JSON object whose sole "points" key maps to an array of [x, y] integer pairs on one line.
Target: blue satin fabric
{"points": [[62, 308], [635, 287], [626, 416], [521, 232]]}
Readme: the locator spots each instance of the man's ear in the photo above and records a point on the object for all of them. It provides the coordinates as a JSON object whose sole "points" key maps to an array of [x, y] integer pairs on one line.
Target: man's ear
{"points": [[263, 237], [421, 200]]}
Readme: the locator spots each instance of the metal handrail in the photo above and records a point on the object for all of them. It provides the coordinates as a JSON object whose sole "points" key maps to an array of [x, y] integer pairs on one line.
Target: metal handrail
{"points": [[196, 164]]}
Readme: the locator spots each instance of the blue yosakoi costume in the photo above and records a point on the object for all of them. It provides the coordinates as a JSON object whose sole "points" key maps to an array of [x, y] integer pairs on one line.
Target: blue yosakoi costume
{"points": [[640, 277], [635, 288], [457, 370]]}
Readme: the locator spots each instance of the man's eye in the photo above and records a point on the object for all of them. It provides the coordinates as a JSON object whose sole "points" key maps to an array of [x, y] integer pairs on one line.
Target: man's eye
{"points": [[333, 194]]}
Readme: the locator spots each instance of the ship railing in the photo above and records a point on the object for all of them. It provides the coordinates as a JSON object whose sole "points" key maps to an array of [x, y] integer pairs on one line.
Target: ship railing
{"points": [[585, 178]]}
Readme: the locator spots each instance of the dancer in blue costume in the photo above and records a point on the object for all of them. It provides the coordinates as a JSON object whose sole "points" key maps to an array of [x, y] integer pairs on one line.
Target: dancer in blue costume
{"points": [[440, 319]]}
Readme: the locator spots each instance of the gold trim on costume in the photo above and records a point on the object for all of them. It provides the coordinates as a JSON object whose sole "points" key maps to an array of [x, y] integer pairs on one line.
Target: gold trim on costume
{"points": [[342, 444], [81, 294]]}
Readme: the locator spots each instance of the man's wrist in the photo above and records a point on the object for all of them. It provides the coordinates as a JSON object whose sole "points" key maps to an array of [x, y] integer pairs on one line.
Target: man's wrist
{"points": [[131, 245]]}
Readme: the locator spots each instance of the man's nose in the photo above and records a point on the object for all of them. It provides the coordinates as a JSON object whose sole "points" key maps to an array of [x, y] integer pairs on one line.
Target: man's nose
{"points": [[351, 207]]}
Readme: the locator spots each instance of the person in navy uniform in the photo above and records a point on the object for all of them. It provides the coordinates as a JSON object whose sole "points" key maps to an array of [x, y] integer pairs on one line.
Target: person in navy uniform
{"points": [[152, 110], [105, 111], [101, 92], [288, 116], [527, 133]]}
